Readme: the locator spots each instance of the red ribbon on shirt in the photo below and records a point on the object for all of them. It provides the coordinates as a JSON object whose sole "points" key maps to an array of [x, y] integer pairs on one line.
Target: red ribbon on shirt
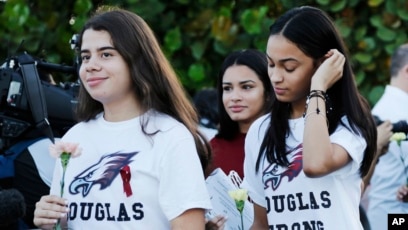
{"points": [[125, 173]]}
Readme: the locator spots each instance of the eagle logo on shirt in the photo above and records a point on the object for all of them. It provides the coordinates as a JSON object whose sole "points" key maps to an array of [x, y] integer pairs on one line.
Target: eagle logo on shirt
{"points": [[274, 173], [102, 173]]}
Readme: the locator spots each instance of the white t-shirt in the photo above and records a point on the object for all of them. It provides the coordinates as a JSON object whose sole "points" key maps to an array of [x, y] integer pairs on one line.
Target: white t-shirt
{"points": [[295, 201], [166, 174], [389, 172]]}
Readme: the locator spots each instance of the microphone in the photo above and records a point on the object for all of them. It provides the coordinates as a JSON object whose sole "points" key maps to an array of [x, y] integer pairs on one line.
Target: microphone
{"points": [[12, 207]]}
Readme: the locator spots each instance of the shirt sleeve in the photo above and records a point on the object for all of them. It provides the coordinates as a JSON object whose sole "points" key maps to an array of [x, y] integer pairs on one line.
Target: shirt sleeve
{"points": [[182, 184], [352, 142]]}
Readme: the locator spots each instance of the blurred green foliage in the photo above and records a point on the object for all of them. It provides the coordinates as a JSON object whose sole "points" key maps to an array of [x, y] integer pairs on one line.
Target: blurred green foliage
{"points": [[197, 35]]}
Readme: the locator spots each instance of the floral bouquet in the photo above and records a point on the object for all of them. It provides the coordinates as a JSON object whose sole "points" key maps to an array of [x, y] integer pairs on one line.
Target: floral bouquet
{"points": [[64, 151], [239, 196]]}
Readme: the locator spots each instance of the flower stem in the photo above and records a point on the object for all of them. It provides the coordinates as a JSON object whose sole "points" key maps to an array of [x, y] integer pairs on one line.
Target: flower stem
{"points": [[58, 225], [62, 183], [64, 162], [242, 222]]}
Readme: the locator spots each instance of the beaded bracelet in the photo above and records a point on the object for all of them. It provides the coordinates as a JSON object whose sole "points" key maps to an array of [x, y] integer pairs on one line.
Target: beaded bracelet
{"points": [[317, 91], [322, 94]]}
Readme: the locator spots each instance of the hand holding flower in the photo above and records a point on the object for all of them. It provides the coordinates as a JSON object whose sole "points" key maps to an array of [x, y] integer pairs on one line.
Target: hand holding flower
{"points": [[49, 210], [64, 151]]}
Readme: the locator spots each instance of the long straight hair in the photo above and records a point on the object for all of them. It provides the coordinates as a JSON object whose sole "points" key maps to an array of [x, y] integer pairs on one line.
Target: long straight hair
{"points": [[313, 32], [155, 82], [257, 62]]}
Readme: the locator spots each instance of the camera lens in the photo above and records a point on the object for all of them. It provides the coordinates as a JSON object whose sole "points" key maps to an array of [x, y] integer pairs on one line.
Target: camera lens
{"points": [[400, 126]]}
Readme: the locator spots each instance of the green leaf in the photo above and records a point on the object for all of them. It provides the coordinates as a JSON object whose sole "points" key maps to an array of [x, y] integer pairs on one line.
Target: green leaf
{"points": [[78, 23], [375, 3], [403, 13], [196, 72], [386, 34], [353, 3], [323, 2], [197, 49], [224, 11], [369, 43], [172, 39], [220, 48], [344, 29], [338, 6], [390, 48], [360, 32], [363, 58], [376, 20], [82, 6], [21, 12], [372, 66], [376, 92], [223, 29], [401, 37], [250, 22], [251, 19], [150, 9]]}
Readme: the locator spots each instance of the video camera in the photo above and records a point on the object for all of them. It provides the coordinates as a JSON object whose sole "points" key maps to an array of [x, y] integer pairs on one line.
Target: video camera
{"points": [[399, 126], [30, 102]]}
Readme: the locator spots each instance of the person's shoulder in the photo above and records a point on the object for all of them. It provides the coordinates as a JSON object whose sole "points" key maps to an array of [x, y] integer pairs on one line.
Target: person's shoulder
{"points": [[78, 127], [76, 130], [261, 121], [345, 122], [345, 127], [259, 126], [163, 122], [83, 126]]}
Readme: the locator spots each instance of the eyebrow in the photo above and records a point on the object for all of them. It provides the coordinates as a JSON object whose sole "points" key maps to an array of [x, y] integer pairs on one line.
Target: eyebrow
{"points": [[283, 60], [99, 49], [241, 82]]}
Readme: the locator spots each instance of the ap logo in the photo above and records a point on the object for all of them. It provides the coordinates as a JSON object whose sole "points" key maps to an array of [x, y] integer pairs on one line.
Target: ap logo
{"points": [[397, 221]]}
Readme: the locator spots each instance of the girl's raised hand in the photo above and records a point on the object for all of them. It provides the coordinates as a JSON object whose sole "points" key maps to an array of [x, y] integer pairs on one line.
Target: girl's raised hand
{"points": [[329, 71]]}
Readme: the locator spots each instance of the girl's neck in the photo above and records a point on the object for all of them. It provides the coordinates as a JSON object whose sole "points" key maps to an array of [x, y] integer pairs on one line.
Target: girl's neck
{"points": [[122, 111], [297, 108], [243, 127]]}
